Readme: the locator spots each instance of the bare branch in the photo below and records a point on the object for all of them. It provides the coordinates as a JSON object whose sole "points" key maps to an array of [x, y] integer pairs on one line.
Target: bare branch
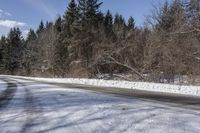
{"points": [[126, 66]]}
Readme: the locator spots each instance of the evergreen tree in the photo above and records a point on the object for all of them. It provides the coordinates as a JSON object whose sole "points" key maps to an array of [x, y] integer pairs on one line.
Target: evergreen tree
{"points": [[72, 13], [119, 20], [3, 52], [108, 22], [30, 52], [31, 36], [14, 50], [40, 28], [165, 21], [89, 11], [70, 18], [119, 27], [131, 23], [116, 20], [171, 16], [48, 25], [100, 18], [178, 14], [58, 24]]}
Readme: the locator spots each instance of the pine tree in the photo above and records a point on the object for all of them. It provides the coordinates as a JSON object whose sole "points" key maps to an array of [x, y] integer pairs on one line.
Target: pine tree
{"points": [[131, 23], [48, 25], [14, 50], [178, 15], [70, 18], [165, 21], [119, 20], [30, 52], [58, 24], [89, 11], [72, 13], [171, 16], [119, 27], [3, 52], [116, 20], [108, 22], [40, 28], [31, 35]]}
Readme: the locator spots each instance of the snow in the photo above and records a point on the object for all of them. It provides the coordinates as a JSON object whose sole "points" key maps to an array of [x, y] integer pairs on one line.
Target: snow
{"points": [[3, 86], [45, 108], [144, 86], [13, 116]]}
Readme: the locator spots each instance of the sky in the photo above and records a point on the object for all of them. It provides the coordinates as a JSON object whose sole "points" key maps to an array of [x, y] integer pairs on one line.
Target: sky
{"points": [[27, 14]]}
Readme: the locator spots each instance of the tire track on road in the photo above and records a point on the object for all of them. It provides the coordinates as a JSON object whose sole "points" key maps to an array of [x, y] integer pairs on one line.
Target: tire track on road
{"points": [[7, 95], [32, 110]]}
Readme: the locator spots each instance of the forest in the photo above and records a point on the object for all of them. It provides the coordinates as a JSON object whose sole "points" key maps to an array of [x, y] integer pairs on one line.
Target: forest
{"points": [[88, 43]]}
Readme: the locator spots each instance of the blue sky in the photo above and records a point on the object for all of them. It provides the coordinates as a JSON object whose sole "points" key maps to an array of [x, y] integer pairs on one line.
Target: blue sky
{"points": [[27, 14]]}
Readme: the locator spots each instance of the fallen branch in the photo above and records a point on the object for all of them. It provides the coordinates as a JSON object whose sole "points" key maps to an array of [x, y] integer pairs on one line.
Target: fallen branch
{"points": [[126, 66], [121, 77]]}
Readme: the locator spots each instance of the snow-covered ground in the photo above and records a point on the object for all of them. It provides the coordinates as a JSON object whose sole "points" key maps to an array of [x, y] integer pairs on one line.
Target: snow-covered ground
{"points": [[13, 115], [155, 87], [3, 86], [43, 108]]}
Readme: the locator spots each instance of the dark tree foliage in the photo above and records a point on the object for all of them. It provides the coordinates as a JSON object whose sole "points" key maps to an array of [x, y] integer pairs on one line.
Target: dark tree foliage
{"points": [[30, 51], [70, 18], [40, 28], [119, 20], [86, 43], [3, 52], [108, 23], [166, 20], [72, 13], [131, 23], [14, 50], [58, 24], [31, 36], [89, 11]]}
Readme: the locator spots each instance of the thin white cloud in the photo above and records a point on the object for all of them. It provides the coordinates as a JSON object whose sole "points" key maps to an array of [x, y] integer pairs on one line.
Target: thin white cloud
{"points": [[1, 13], [4, 13], [11, 23], [8, 14], [6, 24]]}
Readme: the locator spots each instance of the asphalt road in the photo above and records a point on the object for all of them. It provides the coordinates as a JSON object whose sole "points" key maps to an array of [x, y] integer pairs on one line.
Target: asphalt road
{"points": [[35, 107]]}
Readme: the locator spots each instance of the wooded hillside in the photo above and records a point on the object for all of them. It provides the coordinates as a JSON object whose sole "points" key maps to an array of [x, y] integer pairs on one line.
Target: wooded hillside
{"points": [[86, 42]]}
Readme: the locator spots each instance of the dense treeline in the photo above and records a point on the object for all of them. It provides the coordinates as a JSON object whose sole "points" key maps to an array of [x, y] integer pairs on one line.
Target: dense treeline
{"points": [[86, 43]]}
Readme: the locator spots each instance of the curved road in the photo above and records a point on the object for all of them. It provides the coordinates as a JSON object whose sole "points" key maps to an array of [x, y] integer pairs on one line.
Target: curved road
{"points": [[32, 107]]}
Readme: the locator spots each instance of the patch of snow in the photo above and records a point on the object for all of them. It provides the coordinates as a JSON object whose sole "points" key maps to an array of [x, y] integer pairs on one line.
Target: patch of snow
{"points": [[144, 86], [53, 109], [13, 116], [3, 86]]}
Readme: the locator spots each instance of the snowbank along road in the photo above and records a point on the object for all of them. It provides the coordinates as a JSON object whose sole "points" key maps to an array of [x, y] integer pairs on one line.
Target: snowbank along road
{"points": [[32, 107]]}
